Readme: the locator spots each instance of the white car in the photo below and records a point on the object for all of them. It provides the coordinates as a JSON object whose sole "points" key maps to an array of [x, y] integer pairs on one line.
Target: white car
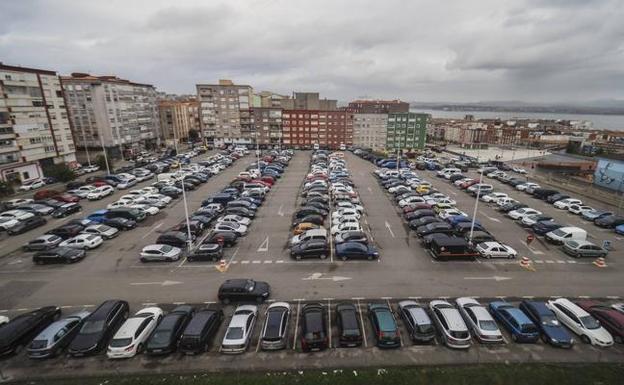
{"points": [[7, 223], [92, 168], [106, 232], [345, 212], [479, 320], [235, 218], [348, 205], [83, 241], [100, 192], [158, 196], [345, 219], [524, 186], [344, 227], [135, 193], [160, 253], [149, 190], [149, 210], [519, 170], [4, 320], [579, 209], [493, 197], [124, 203], [521, 213], [399, 187], [18, 215], [238, 333], [503, 201], [82, 191], [450, 212], [441, 201], [31, 185], [565, 203], [239, 229], [496, 250], [18, 201], [130, 197], [580, 322], [530, 220], [410, 200], [131, 337]]}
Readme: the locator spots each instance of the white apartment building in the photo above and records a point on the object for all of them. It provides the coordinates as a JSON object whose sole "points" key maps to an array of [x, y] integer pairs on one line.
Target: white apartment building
{"points": [[225, 115], [114, 113], [34, 127], [369, 130]]}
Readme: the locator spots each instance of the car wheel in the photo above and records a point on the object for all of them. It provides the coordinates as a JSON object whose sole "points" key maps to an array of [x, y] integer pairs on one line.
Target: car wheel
{"points": [[259, 299], [585, 339], [370, 257], [143, 260], [488, 256], [140, 349]]}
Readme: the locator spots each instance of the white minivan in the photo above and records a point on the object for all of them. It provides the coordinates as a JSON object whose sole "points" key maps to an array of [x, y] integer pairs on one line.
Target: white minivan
{"points": [[563, 234], [447, 172]]}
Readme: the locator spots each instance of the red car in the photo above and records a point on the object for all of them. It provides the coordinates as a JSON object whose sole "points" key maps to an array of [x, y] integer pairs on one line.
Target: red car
{"points": [[268, 180], [465, 185], [417, 206], [609, 318], [45, 194], [67, 198], [260, 181]]}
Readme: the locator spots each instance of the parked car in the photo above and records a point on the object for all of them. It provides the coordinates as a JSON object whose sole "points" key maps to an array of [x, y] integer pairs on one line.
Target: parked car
{"points": [[131, 337], [19, 331], [160, 252], [200, 330], [313, 328], [552, 331], [580, 322], [26, 225], [237, 290], [54, 338], [98, 327], [313, 248], [238, 334], [384, 326], [43, 242], [274, 335], [177, 239], [164, 338], [356, 250], [418, 323], [611, 319], [348, 320], [480, 322], [450, 324], [58, 255], [496, 250], [66, 210], [206, 252], [580, 249], [83, 241], [521, 328]]}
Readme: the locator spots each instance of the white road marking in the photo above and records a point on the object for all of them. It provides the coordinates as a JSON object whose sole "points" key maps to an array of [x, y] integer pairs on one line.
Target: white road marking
{"points": [[389, 229], [280, 212], [361, 322], [329, 318], [279, 261], [159, 283], [156, 226], [264, 246], [256, 262], [244, 262], [493, 278], [268, 261]]}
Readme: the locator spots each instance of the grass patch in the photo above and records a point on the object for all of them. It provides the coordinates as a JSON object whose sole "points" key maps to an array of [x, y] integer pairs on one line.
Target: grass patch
{"points": [[525, 374]]}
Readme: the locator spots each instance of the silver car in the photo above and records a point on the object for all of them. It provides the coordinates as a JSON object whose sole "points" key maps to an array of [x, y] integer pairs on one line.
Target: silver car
{"points": [[479, 320], [106, 232], [44, 242], [53, 339], [275, 330], [238, 333]]}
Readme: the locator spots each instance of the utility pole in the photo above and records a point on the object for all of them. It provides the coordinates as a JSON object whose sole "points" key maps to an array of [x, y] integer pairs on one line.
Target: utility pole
{"points": [[188, 223], [474, 213]]}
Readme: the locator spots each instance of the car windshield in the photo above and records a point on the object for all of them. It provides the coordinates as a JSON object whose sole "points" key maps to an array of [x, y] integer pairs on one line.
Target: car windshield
{"points": [[425, 328], [234, 333], [489, 325], [550, 320], [160, 337], [166, 248], [120, 342], [250, 285], [590, 322], [558, 232], [91, 327]]}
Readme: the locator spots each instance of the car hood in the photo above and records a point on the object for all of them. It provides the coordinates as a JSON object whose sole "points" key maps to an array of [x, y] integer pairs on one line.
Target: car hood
{"points": [[84, 342], [601, 334], [558, 333]]}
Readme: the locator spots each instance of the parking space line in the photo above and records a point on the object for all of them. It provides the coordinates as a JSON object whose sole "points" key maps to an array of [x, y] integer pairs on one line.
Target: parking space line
{"points": [[182, 263], [244, 262], [255, 262], [294, 347], [232, 257], [362, 322], [329, 329]]}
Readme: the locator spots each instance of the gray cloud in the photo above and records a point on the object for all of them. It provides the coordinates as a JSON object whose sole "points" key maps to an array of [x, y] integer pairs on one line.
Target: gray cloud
{"points": [[534, 50]]}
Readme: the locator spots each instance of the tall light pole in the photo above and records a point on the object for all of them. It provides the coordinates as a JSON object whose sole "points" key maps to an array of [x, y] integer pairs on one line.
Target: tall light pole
{"points": [[188, 223], [105, 155], [474, 213], [86, 146]]}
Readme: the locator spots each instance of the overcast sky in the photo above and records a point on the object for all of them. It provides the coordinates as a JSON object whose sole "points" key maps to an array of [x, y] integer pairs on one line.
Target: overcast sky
{"points": [[441, 50]]}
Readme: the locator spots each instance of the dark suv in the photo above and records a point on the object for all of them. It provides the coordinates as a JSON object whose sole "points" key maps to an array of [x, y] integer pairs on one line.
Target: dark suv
{"points": [[200, 330], [243, 290], [98, 328], [313, 328], [347, 319], [25, 327]]}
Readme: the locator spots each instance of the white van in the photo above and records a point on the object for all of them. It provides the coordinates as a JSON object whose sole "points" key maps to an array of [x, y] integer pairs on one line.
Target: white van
{"points": [[447, 172], [563, 234]]}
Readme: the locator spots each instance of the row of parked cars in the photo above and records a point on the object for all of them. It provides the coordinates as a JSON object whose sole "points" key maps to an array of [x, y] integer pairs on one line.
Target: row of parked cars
{"points": [[328, 188], [191, 330], [573, 239]]}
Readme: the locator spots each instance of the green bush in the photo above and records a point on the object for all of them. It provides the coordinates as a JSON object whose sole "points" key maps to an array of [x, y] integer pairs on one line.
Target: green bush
{"points": [[61, 172], [6, 189], [100, 161]]}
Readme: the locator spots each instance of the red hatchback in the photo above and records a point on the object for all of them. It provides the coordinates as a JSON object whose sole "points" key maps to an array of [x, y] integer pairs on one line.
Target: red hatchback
{"points": [[609, 318], [465, 185], [67, 198], [417, 206], [45, 194]]}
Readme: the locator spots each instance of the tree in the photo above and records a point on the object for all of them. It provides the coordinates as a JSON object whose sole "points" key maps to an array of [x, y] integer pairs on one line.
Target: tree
{"points": [[100, 161], [60, 172], [6, 189], [193, 135]]}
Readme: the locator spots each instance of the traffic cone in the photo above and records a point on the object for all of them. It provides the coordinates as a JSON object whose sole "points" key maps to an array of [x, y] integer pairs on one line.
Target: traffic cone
{"points": [[222, 266], [525, 262], [600, 262]]}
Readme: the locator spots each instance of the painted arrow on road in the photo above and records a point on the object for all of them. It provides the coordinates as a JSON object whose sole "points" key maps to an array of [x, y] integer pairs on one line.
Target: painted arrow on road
{"points": [[319, 276], [264, 246], [389, 229], [163, 283], [494, 278]]}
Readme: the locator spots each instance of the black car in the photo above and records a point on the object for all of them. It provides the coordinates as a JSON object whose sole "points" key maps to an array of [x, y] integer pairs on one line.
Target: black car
{"points": [[511, 207], [307, 211], [164, 338], [98, 327], [385, 327], [416, 223], [479, 236], [243, 290], [610, 221], [541, 228], [435, 227], [462, 228], [177, 239], [170, 191], [552, 331], [26, 224], [556, 197], [23, 328], [313, 248], [316, 219], [416, 214], [66, 209], [348, 322], [224, 238], [428, 239], [49, 202], [196, 227], [318, 205], [66, 231], [313, 328], [241, 211], [59, 255], [200, 330], [544, 193], [206, 252], [74, 185], [120, 223]]}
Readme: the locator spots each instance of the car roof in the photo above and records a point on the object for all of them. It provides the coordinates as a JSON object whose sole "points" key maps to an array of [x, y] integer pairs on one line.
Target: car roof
{"points": [[453, 319], [129, 327]]}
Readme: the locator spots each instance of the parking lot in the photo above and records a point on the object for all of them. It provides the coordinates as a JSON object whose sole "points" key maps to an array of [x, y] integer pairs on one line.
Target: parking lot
{"points": [[404, 270]]}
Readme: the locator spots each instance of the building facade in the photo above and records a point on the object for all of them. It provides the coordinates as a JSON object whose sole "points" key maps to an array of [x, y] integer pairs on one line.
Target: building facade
{"points": [[406, 130], [267, 122], [328, 129], [378, 106], [225, 112], [370, 130], [177, 118], [308, 101], [112, 113], [35, 131]]}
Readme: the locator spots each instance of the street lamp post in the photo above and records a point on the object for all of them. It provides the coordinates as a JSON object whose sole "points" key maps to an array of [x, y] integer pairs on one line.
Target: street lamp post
{"points": [[474, 213], [188, 223]]}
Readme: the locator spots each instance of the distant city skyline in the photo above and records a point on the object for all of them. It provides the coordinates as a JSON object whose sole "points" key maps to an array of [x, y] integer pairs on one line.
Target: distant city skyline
{"points": [[538, 51]]}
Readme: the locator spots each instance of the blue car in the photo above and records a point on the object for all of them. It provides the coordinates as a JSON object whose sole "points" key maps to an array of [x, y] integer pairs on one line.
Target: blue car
{"points": [[552, 331], [98, 216], [356, 250], [619, 229], [521, 328]]}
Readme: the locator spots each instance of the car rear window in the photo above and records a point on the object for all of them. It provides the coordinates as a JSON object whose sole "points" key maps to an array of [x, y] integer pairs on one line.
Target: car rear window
{"points": [[386, 321], [234, 333], [274, 321]]}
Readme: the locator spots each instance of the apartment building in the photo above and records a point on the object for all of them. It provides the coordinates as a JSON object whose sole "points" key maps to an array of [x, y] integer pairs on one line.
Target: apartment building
{"points": [[378, 106], [467, 134], [308, 101], [177, 118], [268, 99], [370, 130], [117, 114], [225, 112], [267, 122], [328, 129], [406, 130], [35, 131]]}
